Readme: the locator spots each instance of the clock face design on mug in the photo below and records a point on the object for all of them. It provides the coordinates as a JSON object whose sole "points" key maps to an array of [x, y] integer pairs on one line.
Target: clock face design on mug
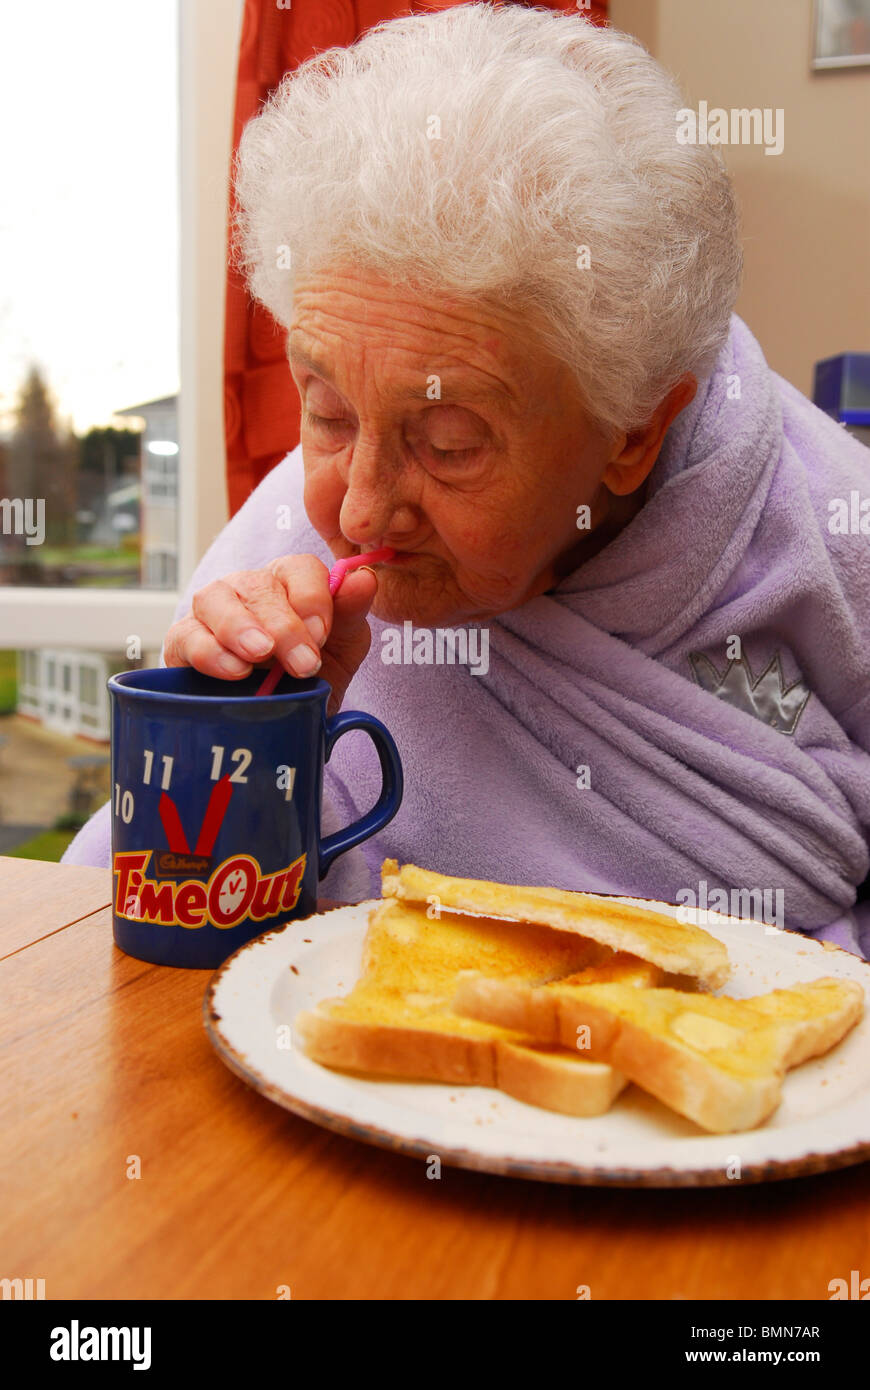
{"points": [[157, 772], [231, 893], [189, 888]]}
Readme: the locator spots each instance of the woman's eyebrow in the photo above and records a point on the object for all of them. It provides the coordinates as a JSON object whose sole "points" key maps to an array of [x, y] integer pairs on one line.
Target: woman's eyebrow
{"points": [[302, 359], [450, 394]]}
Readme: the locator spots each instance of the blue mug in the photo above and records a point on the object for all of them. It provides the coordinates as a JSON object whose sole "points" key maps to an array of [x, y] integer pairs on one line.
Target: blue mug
{"points": [[216, 796]]}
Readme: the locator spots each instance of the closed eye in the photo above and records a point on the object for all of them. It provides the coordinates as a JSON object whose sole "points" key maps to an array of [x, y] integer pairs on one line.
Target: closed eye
{"points": [[451, 455], [324, 421], [445, 456]]}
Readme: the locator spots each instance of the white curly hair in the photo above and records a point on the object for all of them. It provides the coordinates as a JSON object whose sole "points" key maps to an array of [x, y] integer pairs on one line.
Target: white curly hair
{"points": [[474, 152]]}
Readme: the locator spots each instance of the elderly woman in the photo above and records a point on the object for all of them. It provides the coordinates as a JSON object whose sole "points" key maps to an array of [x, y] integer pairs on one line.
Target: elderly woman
{"points": [[619, 647]]}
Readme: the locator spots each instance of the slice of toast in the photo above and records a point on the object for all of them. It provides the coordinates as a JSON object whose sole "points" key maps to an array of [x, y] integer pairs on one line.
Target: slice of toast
{"points": [[409, 950], [416, 1046], [397, 1019], [680, 949], [718, 1061]]}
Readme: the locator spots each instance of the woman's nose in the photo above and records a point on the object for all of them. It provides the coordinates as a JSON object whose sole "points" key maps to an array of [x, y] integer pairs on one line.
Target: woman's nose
{"points": [[370, 504]]}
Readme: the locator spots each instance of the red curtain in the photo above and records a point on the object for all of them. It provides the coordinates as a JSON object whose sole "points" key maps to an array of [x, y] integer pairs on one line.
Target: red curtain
{"points": [[261, 404]]}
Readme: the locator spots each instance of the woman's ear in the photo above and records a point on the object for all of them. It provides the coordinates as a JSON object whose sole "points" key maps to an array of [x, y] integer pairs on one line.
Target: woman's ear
{"points": [[634, 454]]}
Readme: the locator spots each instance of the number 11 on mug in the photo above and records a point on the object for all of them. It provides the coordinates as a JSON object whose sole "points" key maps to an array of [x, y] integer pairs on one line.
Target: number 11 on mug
{"points": [[167, 769]]}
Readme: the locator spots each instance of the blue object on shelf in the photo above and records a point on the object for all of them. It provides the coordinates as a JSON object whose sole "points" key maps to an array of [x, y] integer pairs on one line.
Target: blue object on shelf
{"points": [[841, 387]]}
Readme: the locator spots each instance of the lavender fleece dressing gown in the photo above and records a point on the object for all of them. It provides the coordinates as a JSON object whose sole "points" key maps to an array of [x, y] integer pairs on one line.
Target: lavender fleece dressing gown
{"points": [[707, 765]]}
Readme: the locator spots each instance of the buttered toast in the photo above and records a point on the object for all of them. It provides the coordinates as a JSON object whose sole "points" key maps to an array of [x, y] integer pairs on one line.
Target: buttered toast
{"points": [[718, 1061], [678, 948], [560, 998], [397, 1020]]}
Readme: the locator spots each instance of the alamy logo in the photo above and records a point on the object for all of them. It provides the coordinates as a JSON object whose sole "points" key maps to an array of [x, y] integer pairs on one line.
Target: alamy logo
{"points": [[22, 1288], [76, 1343], [441, 646], [767, 696], [17, 519], [751, 904], [739, 126], [849, 516], [856, 1287]]}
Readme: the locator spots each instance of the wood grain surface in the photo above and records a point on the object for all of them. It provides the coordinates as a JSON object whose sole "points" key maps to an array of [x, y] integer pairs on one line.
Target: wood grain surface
{"points": [[104, 1060], [37, 898]]}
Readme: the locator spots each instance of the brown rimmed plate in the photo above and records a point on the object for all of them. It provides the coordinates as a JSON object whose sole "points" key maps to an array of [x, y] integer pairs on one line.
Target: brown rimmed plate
{"points": [[822, 1123]]}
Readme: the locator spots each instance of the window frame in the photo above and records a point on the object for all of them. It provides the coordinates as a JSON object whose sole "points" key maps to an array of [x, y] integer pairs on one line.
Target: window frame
{"points": [[100, 619]]}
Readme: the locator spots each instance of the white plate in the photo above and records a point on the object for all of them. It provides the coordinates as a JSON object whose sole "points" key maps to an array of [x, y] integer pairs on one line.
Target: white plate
{"points": [[822, 1122]]}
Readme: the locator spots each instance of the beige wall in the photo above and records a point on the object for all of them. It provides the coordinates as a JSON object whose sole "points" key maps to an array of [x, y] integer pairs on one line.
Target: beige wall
{"points": [[806, 212]]}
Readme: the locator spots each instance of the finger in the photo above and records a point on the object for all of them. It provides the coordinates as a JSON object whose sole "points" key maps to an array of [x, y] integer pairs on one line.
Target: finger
{"points": [[356, 595], [263, 604], [338, 675], [188, 643], [349, 640], [220, 608], [351, 637], [306, 583]]}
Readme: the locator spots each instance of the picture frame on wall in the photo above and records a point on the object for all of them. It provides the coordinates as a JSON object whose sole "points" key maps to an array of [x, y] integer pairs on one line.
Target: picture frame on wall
{"points": [[841, 34]]}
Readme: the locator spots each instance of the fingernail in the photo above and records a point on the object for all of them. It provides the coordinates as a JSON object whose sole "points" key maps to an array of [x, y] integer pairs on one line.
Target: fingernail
{"points": [[317, 627], [228, 662], [254, 642], [304, 661]]}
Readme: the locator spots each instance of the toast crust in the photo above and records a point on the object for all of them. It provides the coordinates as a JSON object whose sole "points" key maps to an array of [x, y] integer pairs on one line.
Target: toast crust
{"points": [[718, 1061], [549, 1078], [677, 948]]}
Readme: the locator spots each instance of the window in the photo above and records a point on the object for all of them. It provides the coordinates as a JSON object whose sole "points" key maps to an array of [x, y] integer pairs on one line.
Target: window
{"points": [[161, 479], [89, 369], [100, 64], [177, 58], [87, 685]]}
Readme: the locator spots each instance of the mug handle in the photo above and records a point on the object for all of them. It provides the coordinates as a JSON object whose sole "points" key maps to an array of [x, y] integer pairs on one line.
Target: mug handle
{"points": [[390, 798]]}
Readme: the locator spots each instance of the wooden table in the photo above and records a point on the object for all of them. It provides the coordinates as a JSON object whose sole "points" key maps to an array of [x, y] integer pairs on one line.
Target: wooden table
{"points": [[105, 1059]]}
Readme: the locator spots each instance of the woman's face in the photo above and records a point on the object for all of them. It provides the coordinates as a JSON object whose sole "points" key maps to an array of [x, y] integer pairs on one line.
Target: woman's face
{"points": [[444, 431]]}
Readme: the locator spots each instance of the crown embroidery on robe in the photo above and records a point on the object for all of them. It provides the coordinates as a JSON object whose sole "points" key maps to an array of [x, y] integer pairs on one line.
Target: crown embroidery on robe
{"points": [[767, 696]]}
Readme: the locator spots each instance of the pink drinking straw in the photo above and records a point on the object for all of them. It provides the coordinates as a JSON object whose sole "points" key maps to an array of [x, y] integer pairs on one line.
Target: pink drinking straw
{"points": [[336, 578], [355, 562]]}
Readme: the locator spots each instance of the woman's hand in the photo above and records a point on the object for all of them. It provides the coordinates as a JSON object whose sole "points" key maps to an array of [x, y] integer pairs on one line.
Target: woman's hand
{"points": [[283, 611]]}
